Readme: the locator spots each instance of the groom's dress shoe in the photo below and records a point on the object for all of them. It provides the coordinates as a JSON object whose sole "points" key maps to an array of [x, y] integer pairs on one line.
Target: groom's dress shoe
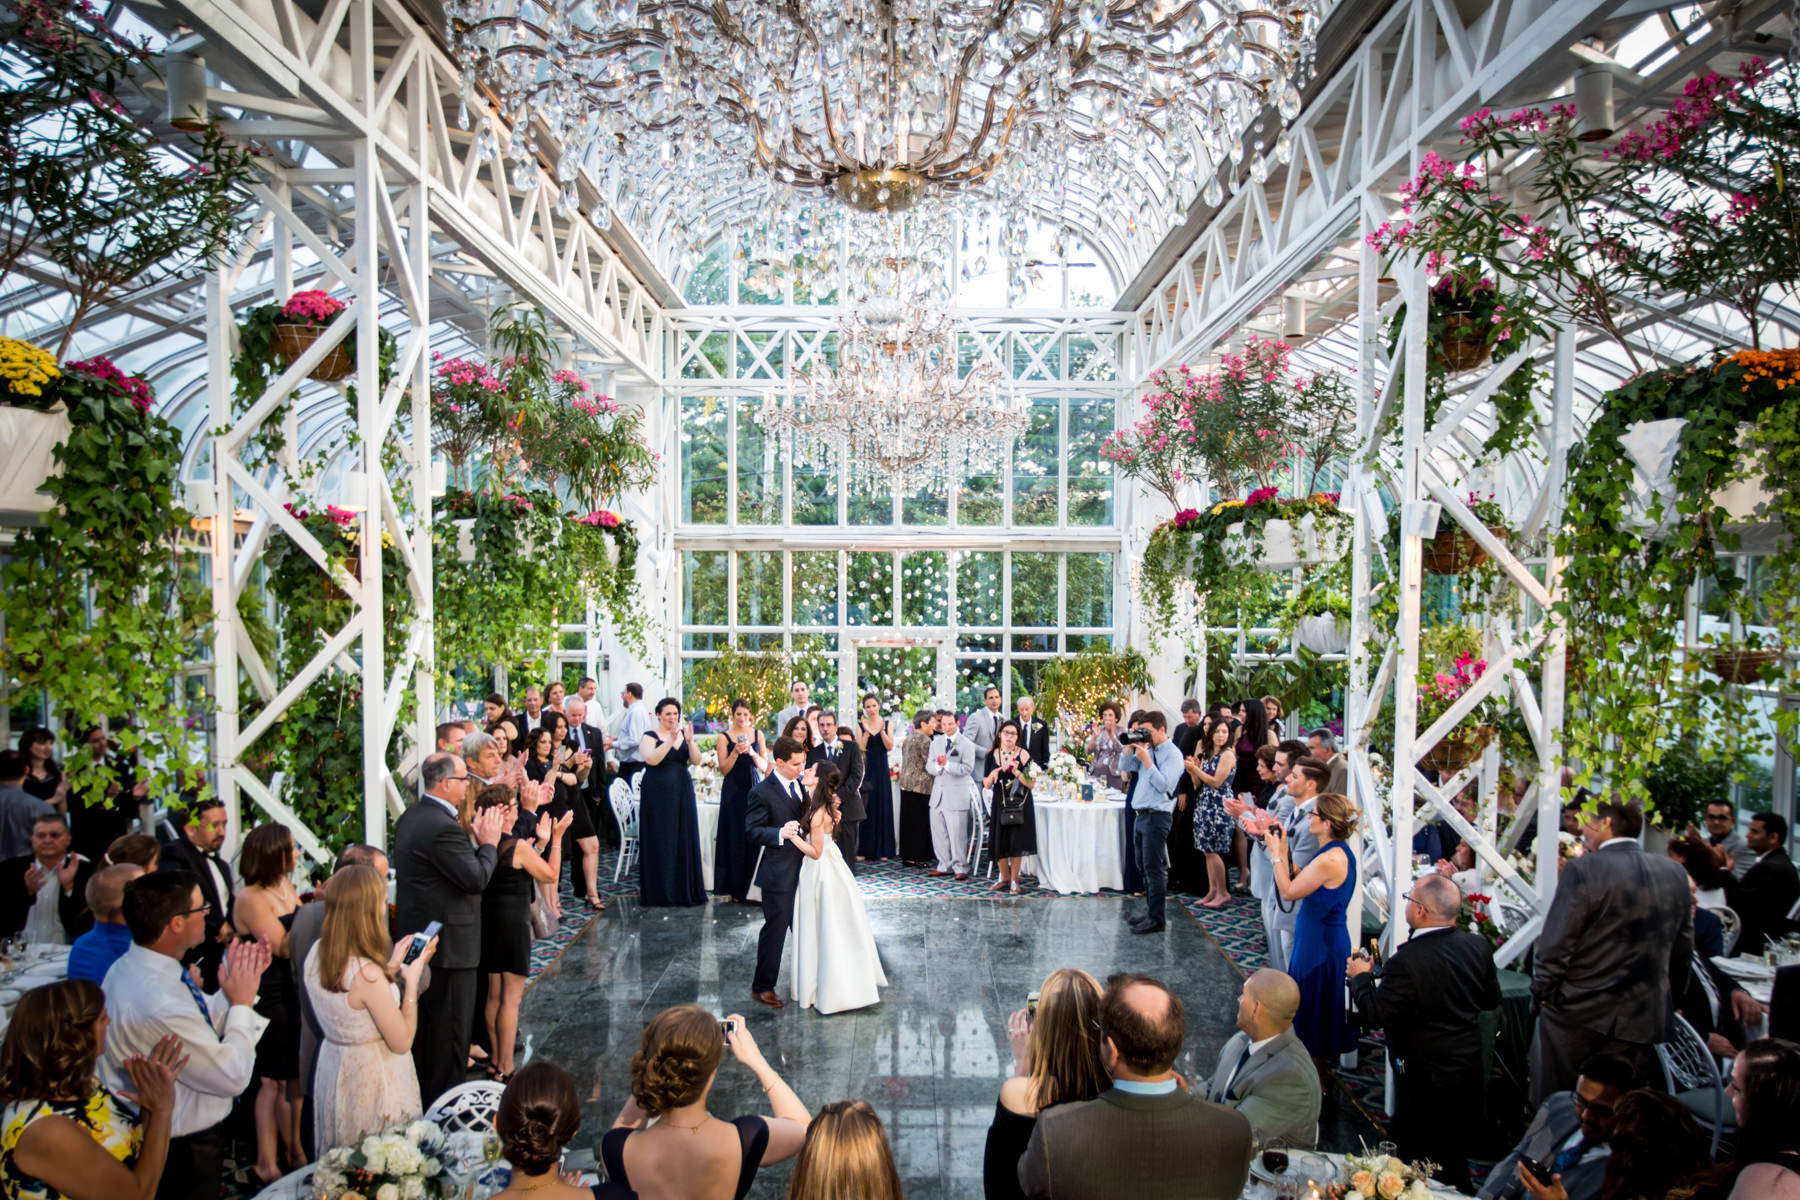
{"points": [[768, 998]]}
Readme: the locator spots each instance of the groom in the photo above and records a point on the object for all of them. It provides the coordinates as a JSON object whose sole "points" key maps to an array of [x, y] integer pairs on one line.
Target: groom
{"points": [[775, 807]]}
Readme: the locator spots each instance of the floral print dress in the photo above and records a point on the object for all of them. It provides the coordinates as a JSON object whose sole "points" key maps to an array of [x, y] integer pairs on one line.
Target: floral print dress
{"points": [[1212, 825], [100, 1114]]}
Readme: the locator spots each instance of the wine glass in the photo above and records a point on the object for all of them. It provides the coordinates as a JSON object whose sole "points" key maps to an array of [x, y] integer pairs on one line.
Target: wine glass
{"points": [[1275, 1156]]}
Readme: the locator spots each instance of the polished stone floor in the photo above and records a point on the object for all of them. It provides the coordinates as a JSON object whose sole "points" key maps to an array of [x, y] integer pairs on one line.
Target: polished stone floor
{"points": [[929, 1058]]}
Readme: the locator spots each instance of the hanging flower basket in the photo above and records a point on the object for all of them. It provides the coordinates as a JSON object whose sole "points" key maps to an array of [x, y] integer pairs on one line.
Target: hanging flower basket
{"points": [[1284, 545], [1652, 447], [1457, 750], [1464, 345], [28, 461], [1742, 666], [1454, 552], [291, 341], [1323, 633]]}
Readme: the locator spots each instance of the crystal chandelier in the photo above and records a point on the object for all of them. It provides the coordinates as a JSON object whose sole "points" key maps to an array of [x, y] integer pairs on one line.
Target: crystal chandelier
{"points": [[886, 103], [898, 407]]}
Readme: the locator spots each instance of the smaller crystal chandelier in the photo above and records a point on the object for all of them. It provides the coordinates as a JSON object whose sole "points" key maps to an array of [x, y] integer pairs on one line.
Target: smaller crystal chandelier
{"points": [[898, 408]]}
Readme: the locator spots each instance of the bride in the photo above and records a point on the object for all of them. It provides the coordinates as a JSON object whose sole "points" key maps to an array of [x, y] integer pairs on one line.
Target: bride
{"points": [[836, 967]]}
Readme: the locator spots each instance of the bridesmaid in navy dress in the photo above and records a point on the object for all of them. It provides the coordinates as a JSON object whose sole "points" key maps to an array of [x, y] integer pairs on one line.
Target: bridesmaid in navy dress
{"points": [[669, 873], [743, 760], [875, 739], [1321, 936]]}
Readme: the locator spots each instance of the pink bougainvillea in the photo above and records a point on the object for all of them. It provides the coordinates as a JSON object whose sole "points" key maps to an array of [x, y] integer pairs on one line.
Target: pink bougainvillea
{"points": [[100, 367]]}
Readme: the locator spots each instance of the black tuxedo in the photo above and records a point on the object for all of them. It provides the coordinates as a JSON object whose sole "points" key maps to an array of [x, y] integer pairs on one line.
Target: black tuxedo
{"points": [[1762, 899], [182, 854], [1034, 739], [16, 903], [773, 805], [1432, 994], [849, 762], [441, 874]]}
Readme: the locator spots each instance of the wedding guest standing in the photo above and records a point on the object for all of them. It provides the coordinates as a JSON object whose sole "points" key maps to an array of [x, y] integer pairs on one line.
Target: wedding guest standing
{"points": [[952, 762], [1034, 734], [196, 851], [571, 800], [1104, 747], [43, 774], [366, 1000], [1057, 1059], [876, 741], [915, 792], [1765, 894], [1253, 734], [669, 871], [983, 725], [1323, 889], [743, 760], [506, 918], [1212, 768], [838, 749], [1006, 772], [264, 909]]}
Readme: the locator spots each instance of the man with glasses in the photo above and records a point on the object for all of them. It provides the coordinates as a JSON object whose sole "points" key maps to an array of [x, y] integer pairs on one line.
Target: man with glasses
{"points": [[1730, 851], [149, 997], [440, 877], [1569, 1138], [1429, 997]]}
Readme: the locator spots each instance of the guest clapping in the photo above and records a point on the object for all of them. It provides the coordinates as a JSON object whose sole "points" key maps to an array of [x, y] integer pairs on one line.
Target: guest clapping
{"points": [[1056, 1060], [1321, 939], [506, 918], [669, 871], [61, 1132], [690, 1154], [846, 1157], [43, 894]]}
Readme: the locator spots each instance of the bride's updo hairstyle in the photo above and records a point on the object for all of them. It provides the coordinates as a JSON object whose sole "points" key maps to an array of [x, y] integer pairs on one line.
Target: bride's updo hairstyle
{"points": [[679, 1053], [539, 1115]]}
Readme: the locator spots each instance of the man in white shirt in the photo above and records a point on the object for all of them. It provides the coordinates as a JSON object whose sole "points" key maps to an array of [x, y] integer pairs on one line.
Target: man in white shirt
{"points": [[983, 725], [533, 716], [150, 997], [1264, 1071], [634, 722], [801, 695], [587, 689]]}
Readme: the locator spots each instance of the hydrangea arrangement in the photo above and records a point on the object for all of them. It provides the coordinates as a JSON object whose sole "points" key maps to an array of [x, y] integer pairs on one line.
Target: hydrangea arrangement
{"points": [[1064, 768], [404, 1163]]}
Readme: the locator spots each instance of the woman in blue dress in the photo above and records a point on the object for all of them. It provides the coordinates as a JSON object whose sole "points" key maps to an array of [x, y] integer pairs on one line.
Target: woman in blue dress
{"points": [[873, 737], [1321, 938], [669, 873], [743, 760]]}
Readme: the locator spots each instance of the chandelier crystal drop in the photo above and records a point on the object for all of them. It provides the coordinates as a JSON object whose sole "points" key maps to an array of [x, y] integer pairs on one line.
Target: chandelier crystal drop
{"points": [[886, 104]]}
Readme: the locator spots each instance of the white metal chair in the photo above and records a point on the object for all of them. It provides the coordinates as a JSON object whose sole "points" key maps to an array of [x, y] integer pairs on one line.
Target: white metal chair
{"points": [[1734, 926], [1691, 1074], [978, 831], [623, 798], [467, 1107]]}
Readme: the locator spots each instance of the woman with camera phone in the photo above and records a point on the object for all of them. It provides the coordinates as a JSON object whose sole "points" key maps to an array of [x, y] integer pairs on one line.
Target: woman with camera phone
{"points": [[1007, 772], [836, 966], [743, 761]]}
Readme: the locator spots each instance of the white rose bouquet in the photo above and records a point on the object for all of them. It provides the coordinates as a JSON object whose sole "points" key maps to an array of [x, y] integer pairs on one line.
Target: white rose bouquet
{"points": [[1063, 768], [403, 1163], [1384, 1177]]}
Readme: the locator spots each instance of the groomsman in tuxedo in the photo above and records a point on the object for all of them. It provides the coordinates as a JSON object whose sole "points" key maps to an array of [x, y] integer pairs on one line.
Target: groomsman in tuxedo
{"points": [[951, 763], [1034, 734], [839, 749], [196, 851], [1429, 998], [774, 815], [1765, 893]]}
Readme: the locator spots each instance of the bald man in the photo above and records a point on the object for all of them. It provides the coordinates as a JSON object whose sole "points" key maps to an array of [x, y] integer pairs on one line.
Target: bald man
{"points": [[1429, 997], [1264, 1071]]}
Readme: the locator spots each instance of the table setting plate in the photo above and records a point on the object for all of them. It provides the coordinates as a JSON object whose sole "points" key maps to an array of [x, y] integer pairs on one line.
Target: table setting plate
{"points": [[1745, 968]]}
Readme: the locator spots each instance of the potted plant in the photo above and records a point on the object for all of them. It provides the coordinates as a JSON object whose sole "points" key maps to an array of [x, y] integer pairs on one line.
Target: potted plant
{"points": [[1463, 308], [32, 425], [1451, 550], [1318, 617], [272, 334], [1450, 664]]}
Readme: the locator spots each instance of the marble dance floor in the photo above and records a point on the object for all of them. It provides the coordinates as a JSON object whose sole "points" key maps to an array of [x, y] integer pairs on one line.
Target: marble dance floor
{"points": [[929, 1058]]}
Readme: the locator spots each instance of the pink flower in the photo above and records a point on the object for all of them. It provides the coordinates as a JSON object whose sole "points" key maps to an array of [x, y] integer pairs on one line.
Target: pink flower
{"points": [[342, 516], [312, 306], [130, 386]]}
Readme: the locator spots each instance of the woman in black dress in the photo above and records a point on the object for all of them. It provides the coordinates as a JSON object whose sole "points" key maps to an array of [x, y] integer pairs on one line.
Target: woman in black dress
{"points": [[1008, 771], [506, 920], [43, 774], [875, 740], [915, 793], [669, 872], [802, 731], [264, 908], [1057, 1059], [570, 798], [743, 760]]}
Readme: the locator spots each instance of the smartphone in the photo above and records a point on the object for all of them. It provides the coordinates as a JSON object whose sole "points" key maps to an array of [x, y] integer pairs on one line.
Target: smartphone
{"points": [[420, 941], [727, 1028], [1540, 1171], [1031, 999]]}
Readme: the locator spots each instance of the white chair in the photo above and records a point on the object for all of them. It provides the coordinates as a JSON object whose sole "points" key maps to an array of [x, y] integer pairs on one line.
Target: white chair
{"points": [[978, 830], [1691, 1074], [623, 798], [467, 1107], [1734, 926]]}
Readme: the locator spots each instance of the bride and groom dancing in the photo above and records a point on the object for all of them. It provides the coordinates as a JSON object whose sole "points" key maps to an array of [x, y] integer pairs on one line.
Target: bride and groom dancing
{"points": [[806, 883]]}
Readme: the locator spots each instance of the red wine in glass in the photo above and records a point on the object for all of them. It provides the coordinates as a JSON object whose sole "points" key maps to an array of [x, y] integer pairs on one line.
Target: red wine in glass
{"points": [[1275, 1159]]}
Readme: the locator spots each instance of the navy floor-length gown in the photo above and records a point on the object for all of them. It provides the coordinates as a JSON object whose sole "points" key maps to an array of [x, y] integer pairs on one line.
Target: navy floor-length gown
{"points": [[669, 872], [1316, 963], [731, 852], [876, 840]]}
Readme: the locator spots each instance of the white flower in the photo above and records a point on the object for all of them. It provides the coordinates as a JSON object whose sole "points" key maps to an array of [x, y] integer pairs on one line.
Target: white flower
{"points": [[1395, 1165], [421, 1133], [412, 1188], [430, 1167], [374, 1155], [1418, 1190], [387, 1191], [404, 1159]]}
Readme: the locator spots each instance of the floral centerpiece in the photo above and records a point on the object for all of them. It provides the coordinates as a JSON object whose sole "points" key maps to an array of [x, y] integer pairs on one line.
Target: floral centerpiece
{"points": [[1063, 768], [1384, 1177], [404, 1163]]}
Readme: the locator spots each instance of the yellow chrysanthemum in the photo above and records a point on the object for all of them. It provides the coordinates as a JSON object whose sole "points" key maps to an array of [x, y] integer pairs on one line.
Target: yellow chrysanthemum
{"points": [[24, 368]]}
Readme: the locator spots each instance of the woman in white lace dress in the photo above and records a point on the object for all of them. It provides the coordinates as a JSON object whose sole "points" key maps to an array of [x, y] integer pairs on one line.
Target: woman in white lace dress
{"points": [[836, 967], [365, 1080]]}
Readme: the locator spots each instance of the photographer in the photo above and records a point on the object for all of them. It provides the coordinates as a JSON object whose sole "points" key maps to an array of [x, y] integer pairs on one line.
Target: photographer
{"points": [[1151, 756]]}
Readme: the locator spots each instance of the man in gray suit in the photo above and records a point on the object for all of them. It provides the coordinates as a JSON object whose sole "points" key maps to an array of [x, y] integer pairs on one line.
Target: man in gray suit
{"points": [[1305, 783], [1569, 1137], [1265, 1071], [800, 694], [983, 725], [1614, 953], [1144, 1137], [951, 762], [1280, 807]]}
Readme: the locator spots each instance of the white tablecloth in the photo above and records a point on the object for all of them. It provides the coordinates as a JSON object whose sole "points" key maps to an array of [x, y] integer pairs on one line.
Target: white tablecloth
{"points": [[1752, 974], [709, 833], [1078, 845]]}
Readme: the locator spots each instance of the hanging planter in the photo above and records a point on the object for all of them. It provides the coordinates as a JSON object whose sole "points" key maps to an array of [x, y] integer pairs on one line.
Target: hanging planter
{"points": [[1463, 346], [1282, 544], [292, 341], [1652, 446], [1323, 634], [1457, 749], [1742, 666], [1456, 552]]}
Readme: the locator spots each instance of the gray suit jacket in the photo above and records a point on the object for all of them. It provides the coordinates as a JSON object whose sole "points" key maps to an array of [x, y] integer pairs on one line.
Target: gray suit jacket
{"points": [[1172, 1147], [1617, 944], [1277, 1090], [1549, 1129], [1262, 873], [983, 728], [953, 786], [1302, 845]]}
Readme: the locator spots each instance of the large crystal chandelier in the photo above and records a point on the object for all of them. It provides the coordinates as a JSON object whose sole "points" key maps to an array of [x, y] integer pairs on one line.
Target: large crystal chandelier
{"points": [[883, 103], [899, 406]]}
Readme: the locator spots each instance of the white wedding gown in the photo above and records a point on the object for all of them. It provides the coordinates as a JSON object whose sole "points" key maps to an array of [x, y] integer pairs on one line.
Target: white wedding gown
{"points": [[836, 967]]}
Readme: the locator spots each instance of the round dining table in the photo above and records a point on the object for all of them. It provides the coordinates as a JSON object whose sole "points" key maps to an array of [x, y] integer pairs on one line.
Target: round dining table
{"points": [[1079, 844]]}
